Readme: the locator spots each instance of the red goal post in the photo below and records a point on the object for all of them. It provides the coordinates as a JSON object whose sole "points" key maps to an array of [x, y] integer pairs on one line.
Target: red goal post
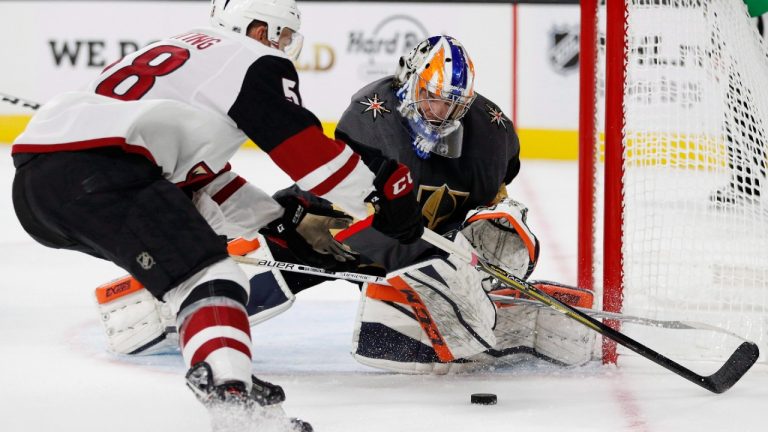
{"points": [[673, 128]]}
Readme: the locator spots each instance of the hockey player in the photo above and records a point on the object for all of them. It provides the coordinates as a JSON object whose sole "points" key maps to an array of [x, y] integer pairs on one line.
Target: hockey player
{"points": [[109, 171], [462, 152]]}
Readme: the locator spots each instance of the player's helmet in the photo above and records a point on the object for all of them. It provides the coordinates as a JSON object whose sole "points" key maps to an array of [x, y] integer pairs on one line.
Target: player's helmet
{"points": [[435, 84], [237, 15]]}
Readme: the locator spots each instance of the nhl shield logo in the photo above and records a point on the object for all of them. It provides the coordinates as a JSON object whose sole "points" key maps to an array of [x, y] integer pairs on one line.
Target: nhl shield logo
{"points": [[564, 49], [145, 260]]}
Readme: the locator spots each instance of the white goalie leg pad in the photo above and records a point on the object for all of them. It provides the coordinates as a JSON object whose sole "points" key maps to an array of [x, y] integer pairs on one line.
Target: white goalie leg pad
{"points": [[388, 336], [134, 321], [501, 236], [449, 302], [137, 323], [563, 339], [526, 330]]}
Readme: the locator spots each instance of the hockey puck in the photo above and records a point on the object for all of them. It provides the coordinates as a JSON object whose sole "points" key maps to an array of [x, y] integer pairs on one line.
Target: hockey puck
{"points": [[483, 398]]}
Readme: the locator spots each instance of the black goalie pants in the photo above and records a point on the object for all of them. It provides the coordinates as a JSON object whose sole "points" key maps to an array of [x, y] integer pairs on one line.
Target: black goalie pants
{"points": [[118, 207]]}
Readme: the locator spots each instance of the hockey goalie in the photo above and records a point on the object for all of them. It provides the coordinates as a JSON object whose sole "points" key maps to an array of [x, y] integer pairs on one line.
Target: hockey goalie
{"points": [[433, 316]]}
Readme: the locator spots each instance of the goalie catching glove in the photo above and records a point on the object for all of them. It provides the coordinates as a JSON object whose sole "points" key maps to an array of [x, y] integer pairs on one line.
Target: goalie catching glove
{"points": [[501, 236]]}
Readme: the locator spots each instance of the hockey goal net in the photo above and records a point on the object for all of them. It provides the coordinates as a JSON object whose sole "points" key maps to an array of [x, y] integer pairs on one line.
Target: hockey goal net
{"points": [[674, 126]]}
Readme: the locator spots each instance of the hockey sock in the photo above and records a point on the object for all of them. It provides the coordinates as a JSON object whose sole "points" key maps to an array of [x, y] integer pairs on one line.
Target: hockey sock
{"points": [[216, 330]]}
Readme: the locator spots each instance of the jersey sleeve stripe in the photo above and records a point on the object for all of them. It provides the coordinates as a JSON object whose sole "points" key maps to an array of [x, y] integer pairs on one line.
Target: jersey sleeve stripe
{"points": [[227, 191], [83, 145], [334, 179], [321, 174], [305, 152]]}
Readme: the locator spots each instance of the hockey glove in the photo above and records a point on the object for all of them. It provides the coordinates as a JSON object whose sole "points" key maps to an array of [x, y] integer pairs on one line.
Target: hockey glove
{"points": [[501, 236], [398, 214], [304, 229]]}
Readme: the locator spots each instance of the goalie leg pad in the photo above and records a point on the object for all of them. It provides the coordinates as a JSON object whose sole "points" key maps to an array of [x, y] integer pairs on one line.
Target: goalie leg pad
{"points": [[448, 300], [563, 339], [137, 323], [134, 321], [387, 335], [435, 312], [270, 294], [541, 331]]}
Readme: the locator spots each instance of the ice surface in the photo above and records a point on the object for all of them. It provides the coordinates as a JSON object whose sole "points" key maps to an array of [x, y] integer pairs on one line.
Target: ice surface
{"points": [[56, 375]]}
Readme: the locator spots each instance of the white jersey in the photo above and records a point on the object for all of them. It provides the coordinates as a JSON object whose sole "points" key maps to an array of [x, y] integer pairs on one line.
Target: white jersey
{"points": [[188, 103]]}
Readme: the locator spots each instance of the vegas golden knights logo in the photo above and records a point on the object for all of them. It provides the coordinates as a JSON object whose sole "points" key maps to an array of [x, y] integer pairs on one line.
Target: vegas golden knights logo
{"points": [[439, 203]]}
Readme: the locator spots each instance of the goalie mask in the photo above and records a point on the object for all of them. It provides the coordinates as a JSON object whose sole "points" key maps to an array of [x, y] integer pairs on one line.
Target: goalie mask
{"points": [[435, 87], [237, 15]]}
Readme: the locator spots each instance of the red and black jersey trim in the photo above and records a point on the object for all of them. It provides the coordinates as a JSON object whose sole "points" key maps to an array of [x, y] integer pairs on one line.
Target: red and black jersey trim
{"points": [[83, 145]]}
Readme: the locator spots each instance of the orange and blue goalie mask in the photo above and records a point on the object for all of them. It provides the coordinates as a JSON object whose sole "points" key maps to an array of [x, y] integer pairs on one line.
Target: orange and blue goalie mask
{"points": [[437, 90]]}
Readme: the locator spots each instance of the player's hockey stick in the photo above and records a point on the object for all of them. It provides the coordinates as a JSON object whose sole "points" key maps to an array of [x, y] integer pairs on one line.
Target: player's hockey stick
{"points": [[305, 269], [734, 368], [360, 277], [19, 102]]}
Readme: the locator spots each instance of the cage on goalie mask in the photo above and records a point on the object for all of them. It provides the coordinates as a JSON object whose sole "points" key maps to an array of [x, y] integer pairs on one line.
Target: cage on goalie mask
{"points": [[436, 88], [237, 15]]}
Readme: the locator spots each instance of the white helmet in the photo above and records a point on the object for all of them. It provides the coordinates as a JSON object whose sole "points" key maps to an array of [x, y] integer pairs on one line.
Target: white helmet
{"points": [[237, 15]]}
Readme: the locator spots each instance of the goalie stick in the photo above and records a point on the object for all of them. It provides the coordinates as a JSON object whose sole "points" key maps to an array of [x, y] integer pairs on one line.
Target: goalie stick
{"points": [[729, 373]]}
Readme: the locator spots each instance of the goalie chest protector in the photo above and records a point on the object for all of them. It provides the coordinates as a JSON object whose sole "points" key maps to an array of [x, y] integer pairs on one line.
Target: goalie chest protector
{"points": [[446, 188]]}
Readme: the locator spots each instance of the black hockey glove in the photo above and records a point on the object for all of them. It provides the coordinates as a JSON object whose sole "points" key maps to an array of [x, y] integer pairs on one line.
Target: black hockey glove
{"points": [[304, 229], [398, 214]]}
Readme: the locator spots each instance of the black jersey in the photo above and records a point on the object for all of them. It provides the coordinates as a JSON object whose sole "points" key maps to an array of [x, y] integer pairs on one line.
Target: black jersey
{"points": [[446, 188]]}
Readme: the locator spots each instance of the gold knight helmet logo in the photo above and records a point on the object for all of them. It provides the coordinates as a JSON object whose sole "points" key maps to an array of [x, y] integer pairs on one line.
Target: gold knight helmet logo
{"points": [[439, 203]]}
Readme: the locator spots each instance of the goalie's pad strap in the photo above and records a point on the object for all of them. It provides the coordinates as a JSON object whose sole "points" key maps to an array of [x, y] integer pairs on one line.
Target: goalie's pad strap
{"points": [[424, 318], [522, 230]]}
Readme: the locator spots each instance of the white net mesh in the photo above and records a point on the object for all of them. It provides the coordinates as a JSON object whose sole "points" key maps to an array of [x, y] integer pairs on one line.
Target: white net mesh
{"points": [[695, 238]]}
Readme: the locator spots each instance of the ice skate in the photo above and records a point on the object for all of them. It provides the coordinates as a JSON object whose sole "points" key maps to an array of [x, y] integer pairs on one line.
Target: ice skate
{"points": [[234, 409]]}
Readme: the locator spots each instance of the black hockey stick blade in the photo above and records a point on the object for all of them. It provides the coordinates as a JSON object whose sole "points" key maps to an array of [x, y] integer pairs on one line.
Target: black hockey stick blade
{"points": [[731, 372], [734, 368]]}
